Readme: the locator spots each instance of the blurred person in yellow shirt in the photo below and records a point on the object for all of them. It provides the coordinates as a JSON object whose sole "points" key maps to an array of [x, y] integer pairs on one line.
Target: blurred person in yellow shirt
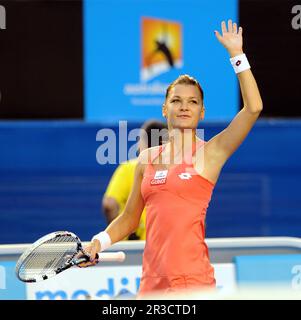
{"points": [[121, 182]]}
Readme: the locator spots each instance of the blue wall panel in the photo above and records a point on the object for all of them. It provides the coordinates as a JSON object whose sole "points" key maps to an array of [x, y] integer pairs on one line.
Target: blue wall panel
{"points": [[113, 41], [50, 180], [269, 270]]}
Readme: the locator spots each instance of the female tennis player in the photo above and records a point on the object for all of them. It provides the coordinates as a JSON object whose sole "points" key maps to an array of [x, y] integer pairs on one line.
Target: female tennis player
{"points": [[176, 195]]}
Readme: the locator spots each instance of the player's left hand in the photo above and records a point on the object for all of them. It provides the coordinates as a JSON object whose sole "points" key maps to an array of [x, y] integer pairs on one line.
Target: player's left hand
{"points": [[231, 38]]}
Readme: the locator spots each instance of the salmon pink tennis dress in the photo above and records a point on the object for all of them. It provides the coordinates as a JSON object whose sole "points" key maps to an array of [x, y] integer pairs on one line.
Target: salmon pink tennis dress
{"points": [[175, 255]]}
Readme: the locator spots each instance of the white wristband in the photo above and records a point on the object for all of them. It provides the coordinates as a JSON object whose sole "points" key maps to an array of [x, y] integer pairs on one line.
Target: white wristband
{"points": [[104, 239], [240, 63]]}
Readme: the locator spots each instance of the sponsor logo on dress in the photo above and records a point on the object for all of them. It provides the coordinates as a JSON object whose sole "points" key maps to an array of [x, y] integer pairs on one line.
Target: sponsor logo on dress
{"points": [[184, 176], [159, 178]]}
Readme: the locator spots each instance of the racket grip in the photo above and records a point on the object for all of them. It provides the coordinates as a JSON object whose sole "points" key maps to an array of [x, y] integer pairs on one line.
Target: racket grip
{"points": [[112, 256]]}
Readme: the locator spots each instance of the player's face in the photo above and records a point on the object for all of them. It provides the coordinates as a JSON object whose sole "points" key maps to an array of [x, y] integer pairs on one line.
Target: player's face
{"points": [[183, 107]]}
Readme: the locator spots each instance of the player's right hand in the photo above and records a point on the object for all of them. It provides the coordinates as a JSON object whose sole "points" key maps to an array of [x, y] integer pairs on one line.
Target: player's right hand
{"points": [[91, 250]]}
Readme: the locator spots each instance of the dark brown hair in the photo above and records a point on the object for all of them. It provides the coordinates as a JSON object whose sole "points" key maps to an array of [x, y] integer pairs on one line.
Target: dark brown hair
{"points": [[185, 79]]}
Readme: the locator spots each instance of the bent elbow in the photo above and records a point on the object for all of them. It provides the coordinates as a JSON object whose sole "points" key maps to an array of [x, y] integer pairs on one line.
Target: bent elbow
{"points": [[135, 226], [257, 106], [255, 109], [260, 107]]}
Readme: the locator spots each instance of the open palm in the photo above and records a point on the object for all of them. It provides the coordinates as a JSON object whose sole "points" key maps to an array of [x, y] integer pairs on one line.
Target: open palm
{"points": [[231, 38]]}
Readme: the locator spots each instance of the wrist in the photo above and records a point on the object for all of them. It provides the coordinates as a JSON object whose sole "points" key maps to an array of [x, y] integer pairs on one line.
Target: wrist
{"points": [[240, 63], [234, 53], [103, 240], [97, 244]]}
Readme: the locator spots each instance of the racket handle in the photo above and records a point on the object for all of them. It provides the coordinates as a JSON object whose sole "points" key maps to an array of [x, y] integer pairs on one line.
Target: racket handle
{"points": [[112, 256]]}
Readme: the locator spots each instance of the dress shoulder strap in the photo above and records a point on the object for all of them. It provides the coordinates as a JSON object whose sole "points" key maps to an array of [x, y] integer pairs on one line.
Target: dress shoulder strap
{"points": [[195, 146], [155, 154]]}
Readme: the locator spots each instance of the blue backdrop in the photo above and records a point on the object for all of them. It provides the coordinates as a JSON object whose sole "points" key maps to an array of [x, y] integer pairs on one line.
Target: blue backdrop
{"points": [[50, 180], [112, 57]]}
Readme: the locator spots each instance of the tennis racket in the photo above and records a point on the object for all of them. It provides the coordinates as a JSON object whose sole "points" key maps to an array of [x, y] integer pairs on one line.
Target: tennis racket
{"points": [[55, 253]]}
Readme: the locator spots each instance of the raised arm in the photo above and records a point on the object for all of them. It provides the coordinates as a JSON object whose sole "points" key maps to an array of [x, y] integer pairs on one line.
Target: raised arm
{"points": [[227, 141]]}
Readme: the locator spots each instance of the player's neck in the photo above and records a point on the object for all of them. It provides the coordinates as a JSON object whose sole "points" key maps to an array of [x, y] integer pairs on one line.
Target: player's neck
{"points": [[181, 143], [182, 139]]}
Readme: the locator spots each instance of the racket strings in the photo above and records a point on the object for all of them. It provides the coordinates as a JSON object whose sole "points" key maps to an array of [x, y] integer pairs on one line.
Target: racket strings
{"points": [[48, 257]]}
